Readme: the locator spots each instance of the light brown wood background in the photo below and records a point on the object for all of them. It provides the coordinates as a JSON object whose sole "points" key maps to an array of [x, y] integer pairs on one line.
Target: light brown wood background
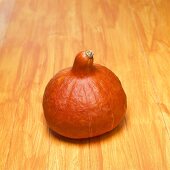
{"points": [[40, 37]]}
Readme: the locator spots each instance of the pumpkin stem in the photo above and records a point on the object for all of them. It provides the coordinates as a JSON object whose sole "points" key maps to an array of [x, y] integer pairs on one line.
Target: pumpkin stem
{"points": [[89, 53], [83, 62]]}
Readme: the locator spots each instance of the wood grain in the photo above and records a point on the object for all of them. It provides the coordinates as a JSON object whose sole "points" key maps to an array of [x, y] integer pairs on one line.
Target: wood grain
{"points": [[39, 37]]}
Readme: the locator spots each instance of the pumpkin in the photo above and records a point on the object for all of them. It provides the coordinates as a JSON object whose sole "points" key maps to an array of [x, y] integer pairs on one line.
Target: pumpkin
{"points": [[85, 100]]}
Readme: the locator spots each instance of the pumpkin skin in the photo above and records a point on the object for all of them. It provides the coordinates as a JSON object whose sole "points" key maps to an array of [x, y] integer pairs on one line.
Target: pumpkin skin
{"points": [[84, 101]]}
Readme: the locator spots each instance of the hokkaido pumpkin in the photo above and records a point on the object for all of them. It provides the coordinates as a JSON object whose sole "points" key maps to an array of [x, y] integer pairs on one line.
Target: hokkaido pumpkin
{"points": [[85, 100]]}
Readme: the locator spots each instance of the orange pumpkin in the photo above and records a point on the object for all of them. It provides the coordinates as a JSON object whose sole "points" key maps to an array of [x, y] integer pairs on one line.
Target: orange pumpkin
{"points": [[84, 101]]}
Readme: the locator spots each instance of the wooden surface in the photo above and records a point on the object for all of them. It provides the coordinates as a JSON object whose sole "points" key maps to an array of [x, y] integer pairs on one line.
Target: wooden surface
{"points": [[40, 37]]}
